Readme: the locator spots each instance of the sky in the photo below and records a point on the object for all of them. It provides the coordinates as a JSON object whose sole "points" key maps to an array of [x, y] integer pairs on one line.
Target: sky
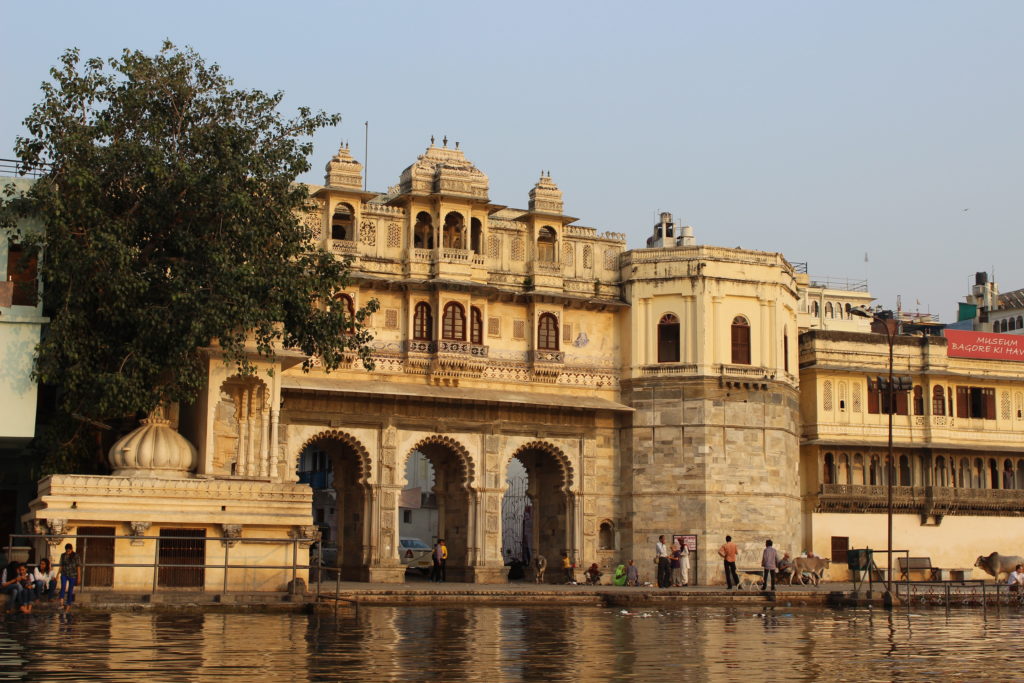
{"points": [[870, 139]]}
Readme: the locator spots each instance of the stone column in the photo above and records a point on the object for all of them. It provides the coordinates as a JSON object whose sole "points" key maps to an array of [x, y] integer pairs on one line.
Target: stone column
{"points": [[274, 446], [264, 436]]}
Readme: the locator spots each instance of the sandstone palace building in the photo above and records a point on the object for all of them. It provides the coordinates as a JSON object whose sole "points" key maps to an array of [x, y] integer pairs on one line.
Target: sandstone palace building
{"points": [[678, 389]]}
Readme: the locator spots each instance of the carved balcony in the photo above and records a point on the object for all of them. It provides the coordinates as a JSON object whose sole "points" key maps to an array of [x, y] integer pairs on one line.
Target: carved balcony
{"points": [[924, 500]]}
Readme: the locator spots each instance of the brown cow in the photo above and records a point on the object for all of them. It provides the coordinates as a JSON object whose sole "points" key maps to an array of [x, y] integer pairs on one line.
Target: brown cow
{"points": [[996, 564], [815, 566]]}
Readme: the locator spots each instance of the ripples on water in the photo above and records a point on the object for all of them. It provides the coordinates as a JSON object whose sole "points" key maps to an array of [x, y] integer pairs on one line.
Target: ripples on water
{"points": [[751, 643]]}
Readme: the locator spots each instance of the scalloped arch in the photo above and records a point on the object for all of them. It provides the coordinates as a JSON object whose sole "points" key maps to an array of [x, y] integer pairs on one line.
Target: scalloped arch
{"points": [[362, 455], [564, 464], [466, 465]]}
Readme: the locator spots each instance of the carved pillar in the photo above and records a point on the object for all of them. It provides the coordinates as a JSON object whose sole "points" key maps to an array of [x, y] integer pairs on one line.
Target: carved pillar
{"points": [[275, 448], [251, 423], [243, 430], [264, 435]]}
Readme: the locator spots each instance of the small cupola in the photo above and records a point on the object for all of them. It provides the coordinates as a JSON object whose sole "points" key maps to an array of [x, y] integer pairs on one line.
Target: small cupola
{"points": [[545, 197], [343, 171]]}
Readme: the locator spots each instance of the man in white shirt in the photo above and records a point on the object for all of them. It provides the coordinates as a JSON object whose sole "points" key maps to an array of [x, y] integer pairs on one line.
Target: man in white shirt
{"points": [[664, 567]]}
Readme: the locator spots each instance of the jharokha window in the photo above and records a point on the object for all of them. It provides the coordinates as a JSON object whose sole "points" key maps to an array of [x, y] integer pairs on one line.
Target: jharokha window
{"points": [[423, 231], [546, 244], [453, 323], [476, 326], [938, 400], [422, 322], [343, 224], [740, 341], [350, 309], [668, 339], [547, 332]]}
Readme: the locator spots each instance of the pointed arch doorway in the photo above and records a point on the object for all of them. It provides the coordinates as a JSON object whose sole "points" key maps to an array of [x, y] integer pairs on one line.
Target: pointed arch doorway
{"points": [[537, 509], [449, 478], [336, 466]]}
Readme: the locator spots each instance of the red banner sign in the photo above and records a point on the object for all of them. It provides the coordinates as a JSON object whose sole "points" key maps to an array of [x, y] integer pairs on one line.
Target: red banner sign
{"points": [[963, 344]]}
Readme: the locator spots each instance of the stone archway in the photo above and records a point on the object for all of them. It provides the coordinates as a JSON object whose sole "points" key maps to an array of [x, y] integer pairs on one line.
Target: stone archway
{"points": [[453, 473], [550, 479], [345, 470]]}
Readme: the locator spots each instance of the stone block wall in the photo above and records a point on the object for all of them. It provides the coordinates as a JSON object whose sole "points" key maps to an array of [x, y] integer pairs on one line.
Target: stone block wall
{"points": [[709, 460]]}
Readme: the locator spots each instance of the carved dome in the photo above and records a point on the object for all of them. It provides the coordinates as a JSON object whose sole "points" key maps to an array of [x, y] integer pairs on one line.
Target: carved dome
{"points": [[441, 170], [153, 449], [344, 171]]}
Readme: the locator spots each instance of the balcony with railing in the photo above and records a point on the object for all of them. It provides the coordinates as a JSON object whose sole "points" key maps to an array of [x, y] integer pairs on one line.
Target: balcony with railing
{"points": [[924, 500]]}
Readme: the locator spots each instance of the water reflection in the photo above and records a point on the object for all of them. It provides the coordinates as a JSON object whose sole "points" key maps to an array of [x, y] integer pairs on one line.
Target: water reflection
{"points": [[455, 643]]}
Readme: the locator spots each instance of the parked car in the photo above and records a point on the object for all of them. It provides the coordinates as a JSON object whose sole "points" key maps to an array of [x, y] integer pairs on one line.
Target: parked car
{"points": [[415, 554]]}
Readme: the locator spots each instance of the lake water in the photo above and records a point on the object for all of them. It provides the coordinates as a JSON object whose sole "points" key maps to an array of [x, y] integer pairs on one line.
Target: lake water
{"points": [[455, 643]]}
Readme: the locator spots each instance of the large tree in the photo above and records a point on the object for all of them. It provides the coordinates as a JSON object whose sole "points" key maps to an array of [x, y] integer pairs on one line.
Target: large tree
{"points": [[173, 222]]}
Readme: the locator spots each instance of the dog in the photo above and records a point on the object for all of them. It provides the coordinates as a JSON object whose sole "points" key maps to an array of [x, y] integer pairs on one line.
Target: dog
{"points": [[751, 580], [540, 565]]}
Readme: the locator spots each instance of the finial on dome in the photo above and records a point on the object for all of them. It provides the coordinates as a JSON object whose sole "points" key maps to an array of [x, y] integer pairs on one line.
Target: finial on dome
{"points": [[431, 140], [444, 141], [456, 144]]}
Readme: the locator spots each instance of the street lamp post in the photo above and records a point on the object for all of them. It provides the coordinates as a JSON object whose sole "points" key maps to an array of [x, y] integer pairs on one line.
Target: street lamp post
{"points": [[890, 385]]}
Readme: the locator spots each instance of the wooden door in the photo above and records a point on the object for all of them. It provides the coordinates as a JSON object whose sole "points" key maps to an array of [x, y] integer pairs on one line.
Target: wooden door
{"points": [[97, 552]]}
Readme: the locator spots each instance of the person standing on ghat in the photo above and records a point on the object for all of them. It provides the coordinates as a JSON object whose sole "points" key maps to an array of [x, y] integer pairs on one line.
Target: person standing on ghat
{"points": [[664, 567], [728, 553], [769, 563]]}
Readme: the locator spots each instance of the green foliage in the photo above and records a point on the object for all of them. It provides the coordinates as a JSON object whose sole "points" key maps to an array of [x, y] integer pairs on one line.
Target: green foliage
{"points": [[172, 224]]}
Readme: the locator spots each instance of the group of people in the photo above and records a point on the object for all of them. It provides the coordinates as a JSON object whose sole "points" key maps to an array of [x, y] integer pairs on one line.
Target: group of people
{"points": [[773, 567], [23, 587], [673, 566]]}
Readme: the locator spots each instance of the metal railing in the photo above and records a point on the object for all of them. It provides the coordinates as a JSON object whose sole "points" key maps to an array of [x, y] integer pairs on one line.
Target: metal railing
{"points": [[20, 168], [313, 561]]}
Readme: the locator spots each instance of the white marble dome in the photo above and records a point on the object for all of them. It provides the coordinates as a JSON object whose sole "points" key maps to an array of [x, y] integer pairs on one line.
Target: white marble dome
{"points": [[154, 449]]}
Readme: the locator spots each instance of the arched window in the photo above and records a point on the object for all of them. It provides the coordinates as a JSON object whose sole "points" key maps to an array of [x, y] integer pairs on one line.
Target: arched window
{"points": [[839, 310], [546, 239], [1012, 325], [874, 472], [829, 471], [941, 475], [740, 341], [476, 326], [938, 401], [547, 332], [1020, 322], [350, 309], [828, 309], [452, 230], [668, 339], [849, 313], [918, 400], [343, 223], [423, 231], [422, 322], [606, 536], [815, 309], [857, 472], [1007, 474], [904, 471], [993, 471], [453, 322], [476, 238]]}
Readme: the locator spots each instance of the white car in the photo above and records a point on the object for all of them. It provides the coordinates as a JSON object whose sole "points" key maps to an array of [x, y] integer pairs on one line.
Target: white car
{"points": [[415, 554]]}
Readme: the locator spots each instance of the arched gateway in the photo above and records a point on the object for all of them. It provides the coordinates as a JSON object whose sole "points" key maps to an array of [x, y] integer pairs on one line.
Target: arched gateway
{"points": [[453, 474], [545, 526], [344, 466]]}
